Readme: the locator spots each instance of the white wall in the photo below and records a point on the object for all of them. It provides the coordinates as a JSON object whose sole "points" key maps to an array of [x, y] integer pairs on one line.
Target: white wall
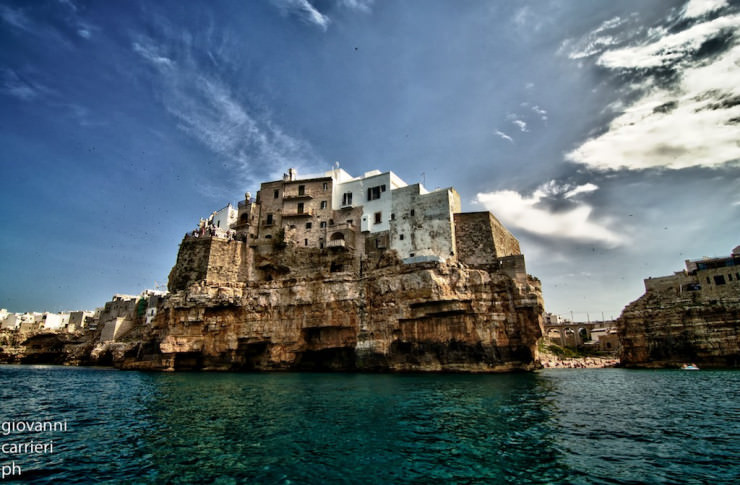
{"points": [[428, 233], [359, 187], [225, 217], [54, 321], [11, 322]]}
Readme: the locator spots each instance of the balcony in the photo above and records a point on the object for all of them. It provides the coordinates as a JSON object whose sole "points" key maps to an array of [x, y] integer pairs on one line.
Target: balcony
{"points": [[337, 243], [296, 195], [305, 213]]}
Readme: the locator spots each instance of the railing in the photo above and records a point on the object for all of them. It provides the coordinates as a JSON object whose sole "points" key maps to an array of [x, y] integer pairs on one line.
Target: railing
{"points": [[337, 243], [305, 213]]}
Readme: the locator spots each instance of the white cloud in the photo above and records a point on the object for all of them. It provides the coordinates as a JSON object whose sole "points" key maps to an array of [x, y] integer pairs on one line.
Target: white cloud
{"points": [[361, 5], [207, 109], [668, 49], [503, 135], [529, 214], [306, 12], [675, 129], [692, 122], [149, 52], [697, 8], [581, 189], [16, 18], [521, 125]]}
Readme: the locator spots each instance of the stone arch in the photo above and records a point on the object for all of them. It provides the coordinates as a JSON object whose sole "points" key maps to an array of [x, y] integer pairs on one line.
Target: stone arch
{"points": [[337, 236]]}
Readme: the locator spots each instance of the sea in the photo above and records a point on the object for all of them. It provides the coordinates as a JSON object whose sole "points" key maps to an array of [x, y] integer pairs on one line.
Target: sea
{"points": [[575, 426]]}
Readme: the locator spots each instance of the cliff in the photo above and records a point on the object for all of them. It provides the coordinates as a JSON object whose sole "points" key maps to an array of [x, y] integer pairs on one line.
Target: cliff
{"points": [[419, 317], [668, 328]]}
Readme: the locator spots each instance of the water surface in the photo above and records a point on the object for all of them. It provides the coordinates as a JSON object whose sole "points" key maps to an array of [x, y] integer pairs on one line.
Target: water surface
{"points": [[553, 426]]}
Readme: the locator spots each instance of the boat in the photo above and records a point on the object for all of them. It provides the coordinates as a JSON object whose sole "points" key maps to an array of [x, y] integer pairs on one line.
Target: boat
{"points": [[689, 367]]}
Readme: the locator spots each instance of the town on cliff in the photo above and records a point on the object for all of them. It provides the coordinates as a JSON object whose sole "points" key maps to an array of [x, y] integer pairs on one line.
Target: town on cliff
{"points": [[368, 273]]}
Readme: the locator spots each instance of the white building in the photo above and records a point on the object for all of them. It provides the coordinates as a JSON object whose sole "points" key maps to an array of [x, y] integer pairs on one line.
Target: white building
{"points": [[372, 191], [12, 321], [225, 217], [55, 321]]}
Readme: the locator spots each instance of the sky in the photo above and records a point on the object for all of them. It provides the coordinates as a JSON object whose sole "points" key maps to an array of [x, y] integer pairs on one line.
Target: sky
{"points": [[604, 135]]}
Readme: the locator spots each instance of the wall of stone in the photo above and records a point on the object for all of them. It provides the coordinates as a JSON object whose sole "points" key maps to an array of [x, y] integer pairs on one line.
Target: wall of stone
{"points": [[229, 261], [481, 239], [422, 222], [192, 263]]}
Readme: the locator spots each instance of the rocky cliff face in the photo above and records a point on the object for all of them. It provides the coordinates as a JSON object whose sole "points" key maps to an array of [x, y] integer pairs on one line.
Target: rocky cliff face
{"points": [[421, 317], [665, 329]]}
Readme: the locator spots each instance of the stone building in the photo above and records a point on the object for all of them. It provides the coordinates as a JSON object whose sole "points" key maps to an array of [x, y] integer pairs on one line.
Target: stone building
{"points": [[333, 222], [707, 277]]}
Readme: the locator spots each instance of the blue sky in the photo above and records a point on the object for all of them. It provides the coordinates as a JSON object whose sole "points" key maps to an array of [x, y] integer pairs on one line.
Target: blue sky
{"points": [[603, 134]]}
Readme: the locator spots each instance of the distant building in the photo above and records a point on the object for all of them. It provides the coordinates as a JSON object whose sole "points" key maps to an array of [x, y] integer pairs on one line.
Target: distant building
{"points": [[707, 278]]}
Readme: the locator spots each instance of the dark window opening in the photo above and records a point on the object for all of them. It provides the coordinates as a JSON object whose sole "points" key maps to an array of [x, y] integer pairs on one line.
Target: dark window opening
{"points": [[300, 207], [412, 212], [269, 219], [269, 236], [378, 217], [305, 242], [323, 224], [411, 255], [276, 194], [347, 198], [336, 267], [308, 225], [326, 186], [323, 204], [301, 190], [400, 237], [373, 193], [393, 216], [719, 279], [244, 218]]}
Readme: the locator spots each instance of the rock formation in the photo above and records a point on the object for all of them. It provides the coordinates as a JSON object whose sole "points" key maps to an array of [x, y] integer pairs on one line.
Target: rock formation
{"points": [[691, 316], [428, 316]]}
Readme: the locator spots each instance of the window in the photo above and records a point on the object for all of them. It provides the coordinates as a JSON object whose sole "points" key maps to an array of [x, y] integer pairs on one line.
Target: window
{"points": [[300, 207], [301, 190], [308, 225], [373, 193], [275, 194], [729, 277], [305, 242], [326, 186], [218, 223], [347, 198], [323, 204], [400, 237], [709, 282], [412, 212], [719, 279], [323, 224], [378, 217], [393, 216], [331, 222], [268, 221]]}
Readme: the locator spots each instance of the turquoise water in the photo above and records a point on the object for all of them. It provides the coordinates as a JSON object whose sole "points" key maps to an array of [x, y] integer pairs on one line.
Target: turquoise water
{"points": [[553, 426]]}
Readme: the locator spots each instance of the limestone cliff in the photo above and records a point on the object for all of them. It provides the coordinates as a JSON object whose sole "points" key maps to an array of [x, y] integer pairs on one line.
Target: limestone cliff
{"points": [[667, 329], [393, 317]]}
